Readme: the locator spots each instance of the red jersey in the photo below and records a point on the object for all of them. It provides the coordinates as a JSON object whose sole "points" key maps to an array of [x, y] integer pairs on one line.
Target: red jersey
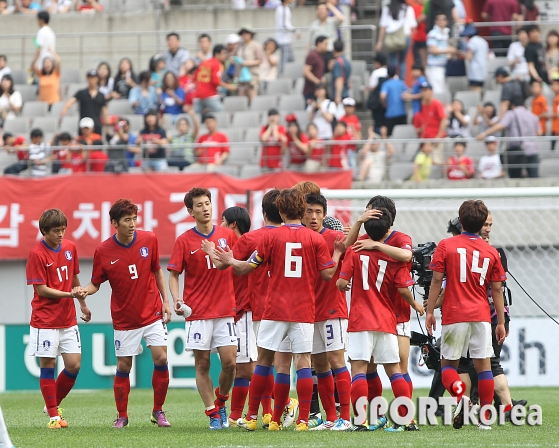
{"points": [[20, 141], [244, 247], [353, 126], [470, 265], [207, 78], [420, 33], [295, 255], [330, 301], [271, 156], [372, 305], [430, 116], [208, 291], [317, 152], [135, 298], [296, 156], [454, 167], [189, 86], [338, 153], [75, 162], [208, 153], [54, 268]]}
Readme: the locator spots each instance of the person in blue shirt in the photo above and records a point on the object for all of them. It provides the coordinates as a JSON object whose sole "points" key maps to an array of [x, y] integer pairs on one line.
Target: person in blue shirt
{"points": [[418, 77], [172, 95], [143, 97], [27, 7], [391, 94], [341, 73]]}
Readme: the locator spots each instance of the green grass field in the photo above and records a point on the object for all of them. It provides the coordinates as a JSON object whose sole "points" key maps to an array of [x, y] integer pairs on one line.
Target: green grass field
{"points": [[90, 416]]}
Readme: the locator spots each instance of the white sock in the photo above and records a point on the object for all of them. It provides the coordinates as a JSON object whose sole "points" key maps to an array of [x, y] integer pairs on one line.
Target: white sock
{"points": [[5, 441]]}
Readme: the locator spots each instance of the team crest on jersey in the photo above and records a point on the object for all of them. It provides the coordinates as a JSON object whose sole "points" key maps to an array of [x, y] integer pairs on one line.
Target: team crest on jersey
{"points": [[144, 252], [222, 243], [117, 344], [46, 345], [68, 255]]}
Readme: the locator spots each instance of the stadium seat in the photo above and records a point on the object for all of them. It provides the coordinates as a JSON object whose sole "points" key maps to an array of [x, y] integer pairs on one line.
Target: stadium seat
{"points": [[299, 85], [476, 150], [69, 124], [196, 168], [292, 102], [223, 119], [263, 103], [492, 96], [230, 170], [443, 97], [46, 124], [302, 118], [495, 63], [18, 125], [235, 103], [28, 92], [56, 108], [469, 98], [292, 70], [400, 170], [234, 134], [549, 168], [119, 107], [241, 155], [34, 109], [403, 131], [19, 76], [359, 68], [136, 122], [70, 76], [456, 83], [436, 172], [250, 171], [243, 120], [74, 88], [252, 135], [280, 86]]}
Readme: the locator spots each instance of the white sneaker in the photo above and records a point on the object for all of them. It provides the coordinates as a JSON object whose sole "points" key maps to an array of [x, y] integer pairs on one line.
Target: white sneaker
{"points": [[323, 426], [289, 412], [342, 425]]}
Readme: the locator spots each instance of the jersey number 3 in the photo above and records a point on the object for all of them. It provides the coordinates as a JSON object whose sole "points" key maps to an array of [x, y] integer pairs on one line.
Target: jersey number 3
{"points": [[475, 265]]}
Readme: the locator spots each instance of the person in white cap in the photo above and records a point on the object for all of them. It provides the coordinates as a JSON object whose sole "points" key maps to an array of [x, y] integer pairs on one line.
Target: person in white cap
{"points": [[490, 165], [353, 128]]}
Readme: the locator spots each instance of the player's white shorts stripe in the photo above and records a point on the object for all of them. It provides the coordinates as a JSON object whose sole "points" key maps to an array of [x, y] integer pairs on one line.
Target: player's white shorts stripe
{"points": [[50, 343], [246, 350], [404, 329], [459, 338], [129, 342]]}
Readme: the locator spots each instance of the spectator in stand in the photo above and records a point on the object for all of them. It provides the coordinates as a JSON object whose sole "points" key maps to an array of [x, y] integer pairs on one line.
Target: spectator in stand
{"points": [[95, 159], [158, 68], [71, 158], [151, 143], [373, 159], [212, 148], [522, 154], [238, 4], [143, 97], [175, 55], [458, 120], [314, 68], [378, 76], [182, 151], [530, 12], [205, 49], [106, 82], [297, 144], [397, 22], [270, 62], [4, 10], [208, 79], [431, 122], [27, 7], [186, 81], [341, 73], [460, 166], [554, 115], [124, 137], [39, 154], [353, 128], [45, 41], [4, 69], [172, 95], [490, 165], [315, 160], [501, 11], [284, 32], [337, 153], [322, 112], [325, 26], [432, 8], [58, 6], [125, 79], [418, 78], [49, 78], [535, 55], [539, 105], [230, 74], [423, 162], [274, 141], [476, 52], [391, 94], [249, 56], [487, 117], [510, 88], [10, 99], [91, 102], [419, 35], [552, 54], [438, 51], [15, 144], [515, 56], [88, 6]]}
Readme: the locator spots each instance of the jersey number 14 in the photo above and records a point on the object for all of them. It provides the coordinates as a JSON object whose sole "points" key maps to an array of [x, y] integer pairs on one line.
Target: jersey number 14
{"points": [[482, 270]]}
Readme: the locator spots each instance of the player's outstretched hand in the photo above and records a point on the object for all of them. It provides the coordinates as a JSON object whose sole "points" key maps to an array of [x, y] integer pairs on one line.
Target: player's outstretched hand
{"points": [[500, 333], [367, 244], [430, 324], [224, 256], [86, 314], [419, 308], [369, 214], [208, 246], [166, 310], [339, 244]]}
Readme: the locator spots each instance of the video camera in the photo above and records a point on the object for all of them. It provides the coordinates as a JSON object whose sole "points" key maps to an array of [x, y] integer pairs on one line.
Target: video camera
{"points": [[430, 354], [421, 259]]}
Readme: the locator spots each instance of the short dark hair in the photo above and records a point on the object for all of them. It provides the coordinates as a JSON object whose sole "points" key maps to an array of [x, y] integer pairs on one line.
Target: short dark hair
{"points": [[381, 58], [291, 203], [379, 202], [321, 86], [338, 46], [391, 71], [535, 81], [201, 36], [269, 207], [3, 56], [239, 216], [377, 228], [7, 134], [121, 208], [319, 40], [317, 199], [145, 75], [51, 219], [196, 192], [418, 67], [530, 28], [171, 34], [218, 49], [44, 16], [473, 214], [517, 100], [460, 142], [36, 133], [520, 30], [65, 136]]}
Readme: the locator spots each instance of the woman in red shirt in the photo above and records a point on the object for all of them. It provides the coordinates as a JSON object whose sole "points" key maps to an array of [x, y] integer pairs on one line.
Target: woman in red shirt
{"points": [[315, 160], [297, 144]]}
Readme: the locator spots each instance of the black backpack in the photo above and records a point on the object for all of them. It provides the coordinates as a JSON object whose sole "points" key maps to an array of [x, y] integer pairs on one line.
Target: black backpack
{"points": [[374, 102]]}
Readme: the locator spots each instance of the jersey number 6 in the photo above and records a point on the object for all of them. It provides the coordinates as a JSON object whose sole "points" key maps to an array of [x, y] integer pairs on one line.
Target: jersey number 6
{"points": [[291, 271]]}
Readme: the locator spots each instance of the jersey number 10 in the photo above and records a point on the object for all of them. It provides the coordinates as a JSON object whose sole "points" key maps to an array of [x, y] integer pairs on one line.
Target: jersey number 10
{"points": [[475, 265]]}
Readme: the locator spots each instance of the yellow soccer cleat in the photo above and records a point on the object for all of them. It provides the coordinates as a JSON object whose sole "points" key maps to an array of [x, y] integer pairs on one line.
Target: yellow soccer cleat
{"points": [[63, 422], [233, 423], [266, 419], [274, 426], [303, 426], [54, 424], [248, 424]]}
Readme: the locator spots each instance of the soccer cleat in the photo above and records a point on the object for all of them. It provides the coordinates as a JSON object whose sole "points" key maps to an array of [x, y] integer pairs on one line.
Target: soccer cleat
{"points": [[248, 424], [315, 420], [266, 419], [274, 426], [158, 417], [401, 428], [233, 423], [63, 422], [54, 424], [215, 423], [519, 402], [289, 412], [323, 426], [223, 416], [341, 425], [483, 427], [412, 426], [458, 420], [302, 426], [381, 422], [121, 422], [359, 428]]}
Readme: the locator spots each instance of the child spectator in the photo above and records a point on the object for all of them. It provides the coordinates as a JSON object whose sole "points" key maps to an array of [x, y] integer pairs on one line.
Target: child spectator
{"points": [[4, 69], [207, 153], [39, 152], [274, 141], [155, 137], [125, 79], [10, 99], [476, 52], [88, 137], [182, 151], [4, 9], [539, 105], [88, 6], [158, 68], [49, 77], [172, 95], [423, 162], [58, 6], [13, 144], [297, 144], [315, 161], [270, 62], [487, 117], [27, 7], [418, 78], [490, 166], [353, 128], [460, 166], [124, 137], [72, 158], [338, 151], [106, 83], [186, 81], [458, 120], [143, 97], [374, 159], [554, 115]]}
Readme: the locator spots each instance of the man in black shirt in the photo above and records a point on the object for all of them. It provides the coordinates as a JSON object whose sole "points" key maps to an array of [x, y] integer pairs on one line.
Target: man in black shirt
{"points": [[535, 55]]}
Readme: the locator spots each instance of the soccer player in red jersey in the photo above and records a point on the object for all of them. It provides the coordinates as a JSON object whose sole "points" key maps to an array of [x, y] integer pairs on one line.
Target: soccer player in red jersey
{"points": [[295, 256], [210, 294], [129, 260], [52, 269], [330, 328], [470, 265], [372, 320]]}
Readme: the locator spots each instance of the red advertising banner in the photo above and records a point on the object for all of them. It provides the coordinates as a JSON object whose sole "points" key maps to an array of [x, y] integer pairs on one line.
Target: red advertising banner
{"points": [[86, 200]]}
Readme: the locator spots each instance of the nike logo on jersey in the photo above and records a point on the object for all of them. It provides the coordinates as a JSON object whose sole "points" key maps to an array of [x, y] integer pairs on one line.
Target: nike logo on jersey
{"points": [[50, 264], [113, 262], [328, 344], [192, 252]]}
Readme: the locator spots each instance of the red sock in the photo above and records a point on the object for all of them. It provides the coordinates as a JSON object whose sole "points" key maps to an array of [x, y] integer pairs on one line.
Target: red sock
{"points": [[64, 384], [449, 376], [374, 386], [256, 390], [359, 386], [48, 389], [160, 383], [268, 392], [343, 385], [281, 395], [220, 400], [486, 388], [400, 389], [122, 390], [326, 394], [410, 384], [238, 397], [304, 393]]}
